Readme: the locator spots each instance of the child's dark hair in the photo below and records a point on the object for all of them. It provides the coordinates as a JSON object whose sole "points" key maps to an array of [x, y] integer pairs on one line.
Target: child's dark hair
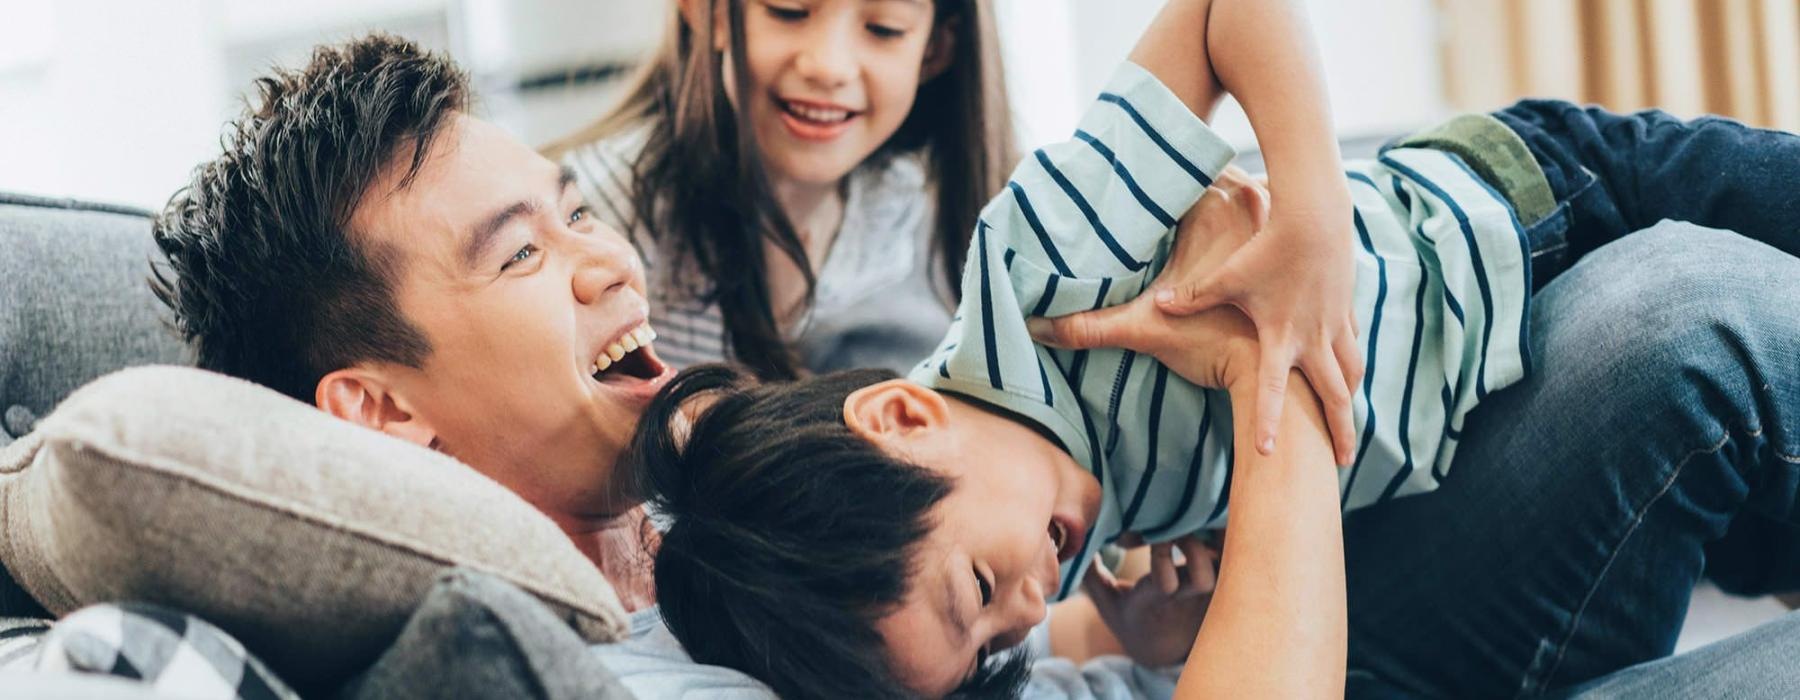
{"points": [[790, 535]]}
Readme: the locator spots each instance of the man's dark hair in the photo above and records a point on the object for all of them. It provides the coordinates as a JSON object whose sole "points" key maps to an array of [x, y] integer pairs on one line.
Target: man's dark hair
{"points": [[260, 266], [790, 535]]}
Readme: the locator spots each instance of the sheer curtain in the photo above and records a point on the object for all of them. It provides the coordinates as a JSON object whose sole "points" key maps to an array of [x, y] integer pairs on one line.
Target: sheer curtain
{"points": [[1739, 58]]}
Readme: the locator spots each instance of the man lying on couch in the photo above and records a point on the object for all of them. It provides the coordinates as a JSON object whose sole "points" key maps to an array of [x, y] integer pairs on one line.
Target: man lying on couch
{"points": [[366, 246]]}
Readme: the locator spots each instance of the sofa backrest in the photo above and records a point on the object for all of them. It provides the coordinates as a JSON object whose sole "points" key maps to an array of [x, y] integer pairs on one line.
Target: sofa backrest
{"points": [[74, 302]]}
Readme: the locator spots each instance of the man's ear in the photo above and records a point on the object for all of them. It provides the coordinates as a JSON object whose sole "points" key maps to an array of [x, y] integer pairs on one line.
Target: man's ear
{"points": [[365, 398], [940, 50], [894, 410]]}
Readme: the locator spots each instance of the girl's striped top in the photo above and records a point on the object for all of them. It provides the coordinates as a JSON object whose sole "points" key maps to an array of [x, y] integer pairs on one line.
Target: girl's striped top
{"points": [[1442, 288]]}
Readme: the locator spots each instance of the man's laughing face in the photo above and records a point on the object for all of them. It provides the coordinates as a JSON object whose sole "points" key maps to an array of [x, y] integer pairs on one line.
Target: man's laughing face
{"points": [[540, 357]]}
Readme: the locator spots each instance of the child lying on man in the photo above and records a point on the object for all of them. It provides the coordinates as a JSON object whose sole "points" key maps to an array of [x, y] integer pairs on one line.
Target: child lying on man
{"points": [[858, 533], [816, 496]]}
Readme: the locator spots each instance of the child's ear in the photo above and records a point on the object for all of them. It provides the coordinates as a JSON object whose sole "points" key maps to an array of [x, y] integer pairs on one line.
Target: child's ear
{"points": [[694, 13], [364, 396], [894, 409], [940, 50]]}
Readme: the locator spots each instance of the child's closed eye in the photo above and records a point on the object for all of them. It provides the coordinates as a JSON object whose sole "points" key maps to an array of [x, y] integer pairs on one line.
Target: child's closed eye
{"points": [[787, 14]]}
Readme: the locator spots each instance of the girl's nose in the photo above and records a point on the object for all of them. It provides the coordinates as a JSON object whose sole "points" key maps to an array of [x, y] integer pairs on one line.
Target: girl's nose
{"points": [[827, 62]]}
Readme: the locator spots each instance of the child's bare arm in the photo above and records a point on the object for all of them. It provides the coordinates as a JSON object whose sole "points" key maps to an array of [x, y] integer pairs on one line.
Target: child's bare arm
{"points": [[1278, 625], [1295, 281]]}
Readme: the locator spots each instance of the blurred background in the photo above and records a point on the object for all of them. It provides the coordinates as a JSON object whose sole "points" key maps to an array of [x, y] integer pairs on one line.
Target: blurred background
{"points": [[116, 100]]}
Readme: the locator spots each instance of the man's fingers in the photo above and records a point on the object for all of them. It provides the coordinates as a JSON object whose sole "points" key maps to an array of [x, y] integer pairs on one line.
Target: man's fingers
{"points": [[1192, 298], [1108, 327], [1104, 590], [1257, 201], [1099, 576], [1162, 567], [1349, 355], [1202, 578], [1327, 378], [1272, 375]]}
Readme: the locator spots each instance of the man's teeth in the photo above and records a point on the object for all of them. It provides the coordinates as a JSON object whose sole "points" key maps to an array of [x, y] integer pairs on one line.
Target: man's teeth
{"points": [[817, 114], [639, 337]]}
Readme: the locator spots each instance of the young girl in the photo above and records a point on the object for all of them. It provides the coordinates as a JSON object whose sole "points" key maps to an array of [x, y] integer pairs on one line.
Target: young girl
{"points": [[791, 171], [791, 168]]}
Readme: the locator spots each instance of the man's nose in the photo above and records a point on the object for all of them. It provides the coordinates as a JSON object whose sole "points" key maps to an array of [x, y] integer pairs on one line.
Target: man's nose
{"points": [[602, 271]]}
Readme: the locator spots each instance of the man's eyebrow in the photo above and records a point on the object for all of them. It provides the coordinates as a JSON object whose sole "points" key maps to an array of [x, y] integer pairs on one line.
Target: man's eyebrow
{"points": [[481, 238]]}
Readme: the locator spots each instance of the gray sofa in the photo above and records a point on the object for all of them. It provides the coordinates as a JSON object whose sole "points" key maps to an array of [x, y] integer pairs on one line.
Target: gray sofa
{"points": [[75, 305], [73, 302]]}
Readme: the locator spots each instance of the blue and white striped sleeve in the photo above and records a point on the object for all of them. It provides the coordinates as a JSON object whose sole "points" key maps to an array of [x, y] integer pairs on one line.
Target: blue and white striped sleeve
{"points": [[1102, 204], [1082, 224]]}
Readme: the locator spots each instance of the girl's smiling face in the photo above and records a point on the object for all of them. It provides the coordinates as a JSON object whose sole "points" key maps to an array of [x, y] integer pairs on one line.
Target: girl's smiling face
{"points": [[832, 80]]}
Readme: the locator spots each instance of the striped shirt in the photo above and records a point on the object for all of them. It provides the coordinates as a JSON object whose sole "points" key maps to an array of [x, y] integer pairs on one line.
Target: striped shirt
{"points": [[879, 301], [1442, 287]]}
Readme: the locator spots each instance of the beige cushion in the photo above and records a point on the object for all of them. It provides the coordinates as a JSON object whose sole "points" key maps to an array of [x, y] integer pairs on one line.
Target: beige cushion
{"points": [[308, 538]]}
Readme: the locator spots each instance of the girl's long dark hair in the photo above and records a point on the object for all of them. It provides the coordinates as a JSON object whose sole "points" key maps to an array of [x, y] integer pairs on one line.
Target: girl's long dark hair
{"points": [[699, 181]]}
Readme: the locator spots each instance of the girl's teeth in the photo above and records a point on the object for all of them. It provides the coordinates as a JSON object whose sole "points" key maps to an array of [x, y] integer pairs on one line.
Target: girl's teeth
{"points": [[615, 352], [819, 115]]}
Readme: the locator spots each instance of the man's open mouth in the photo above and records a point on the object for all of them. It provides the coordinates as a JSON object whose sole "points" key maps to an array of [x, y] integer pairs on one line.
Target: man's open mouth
{"points": [[628, 358]]}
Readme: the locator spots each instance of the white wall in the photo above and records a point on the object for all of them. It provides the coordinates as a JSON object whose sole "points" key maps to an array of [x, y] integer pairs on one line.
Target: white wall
{"points": [[117, 100], [1380, 57], [84, 118]]}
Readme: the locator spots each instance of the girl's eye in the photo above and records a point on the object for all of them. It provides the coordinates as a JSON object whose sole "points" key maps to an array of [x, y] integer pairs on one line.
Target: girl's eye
{"points": [[787, 14], [524, 254], [885, 32], [987, 589]]}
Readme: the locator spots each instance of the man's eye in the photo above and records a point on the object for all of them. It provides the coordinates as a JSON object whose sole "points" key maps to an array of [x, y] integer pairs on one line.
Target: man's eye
{"points": [[580, 214], [987, 589], [524, 254]]}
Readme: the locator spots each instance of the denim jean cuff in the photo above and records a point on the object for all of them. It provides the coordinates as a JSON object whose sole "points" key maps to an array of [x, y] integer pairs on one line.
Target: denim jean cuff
{"points": [[1499, 156]]}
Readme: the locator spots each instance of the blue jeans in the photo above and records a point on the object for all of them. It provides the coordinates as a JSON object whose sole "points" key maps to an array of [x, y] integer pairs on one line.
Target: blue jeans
{"points": [[1657, 441]]}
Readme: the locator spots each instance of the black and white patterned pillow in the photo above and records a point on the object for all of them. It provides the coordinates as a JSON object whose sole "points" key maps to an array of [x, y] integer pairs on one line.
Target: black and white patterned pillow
{"points": [[175, 654], [19, 637]]}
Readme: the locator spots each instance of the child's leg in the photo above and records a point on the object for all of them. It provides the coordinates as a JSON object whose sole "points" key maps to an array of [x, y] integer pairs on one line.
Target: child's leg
{"points": [[1623, 173]]}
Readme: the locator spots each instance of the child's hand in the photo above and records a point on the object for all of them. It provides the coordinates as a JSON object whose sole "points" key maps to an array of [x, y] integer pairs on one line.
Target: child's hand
{"points": [[1295, 280], [1215, 349], [1156, 622]]}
